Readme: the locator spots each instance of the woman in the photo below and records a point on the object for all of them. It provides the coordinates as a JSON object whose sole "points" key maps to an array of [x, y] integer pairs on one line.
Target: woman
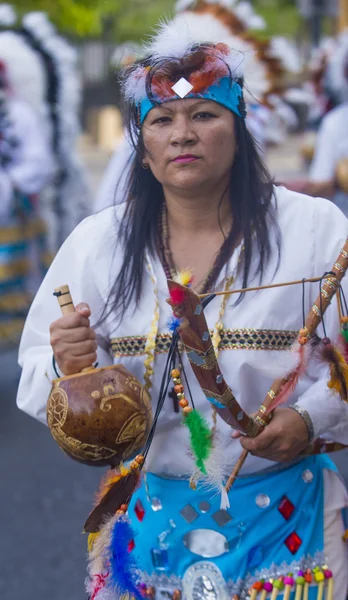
{"points": [[199, 196]]}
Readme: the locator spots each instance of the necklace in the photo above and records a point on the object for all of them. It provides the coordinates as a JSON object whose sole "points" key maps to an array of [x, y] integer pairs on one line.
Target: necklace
{"points": [[167, 260]]}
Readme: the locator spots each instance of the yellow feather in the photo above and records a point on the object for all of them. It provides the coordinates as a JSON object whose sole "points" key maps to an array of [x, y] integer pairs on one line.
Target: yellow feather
{"points": [[91, 539], [339, 373], [111, 477], [184, 277]]}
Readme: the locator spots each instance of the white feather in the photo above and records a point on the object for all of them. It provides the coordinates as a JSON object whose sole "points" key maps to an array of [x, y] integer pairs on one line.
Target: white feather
{"points": [[98, 555], [216, 467], [8, 16], [186, 29], [171, 40], [37, 22], [134, 87]]}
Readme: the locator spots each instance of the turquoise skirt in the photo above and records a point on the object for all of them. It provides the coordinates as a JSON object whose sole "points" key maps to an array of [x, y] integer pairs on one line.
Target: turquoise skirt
{"points": [[184, 544]]}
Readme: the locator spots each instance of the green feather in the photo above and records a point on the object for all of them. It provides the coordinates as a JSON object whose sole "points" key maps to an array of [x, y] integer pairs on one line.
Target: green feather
{"points": [[200, 438], [344, 333]]}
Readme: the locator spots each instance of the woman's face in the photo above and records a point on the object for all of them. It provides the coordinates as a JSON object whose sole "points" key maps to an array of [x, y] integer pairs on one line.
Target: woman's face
{"points": [[190, 144]]}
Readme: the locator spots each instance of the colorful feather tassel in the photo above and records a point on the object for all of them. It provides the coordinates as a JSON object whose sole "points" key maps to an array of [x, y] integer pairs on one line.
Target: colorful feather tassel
{"points": [[116, 490], [112, 569], [184, 278], [174, 323], [338, 368], [124, 575], [177, 296], [200, 438]]}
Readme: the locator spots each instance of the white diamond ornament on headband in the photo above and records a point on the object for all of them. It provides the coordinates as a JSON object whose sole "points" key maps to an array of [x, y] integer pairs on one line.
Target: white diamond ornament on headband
{"points": [[182, 87]]}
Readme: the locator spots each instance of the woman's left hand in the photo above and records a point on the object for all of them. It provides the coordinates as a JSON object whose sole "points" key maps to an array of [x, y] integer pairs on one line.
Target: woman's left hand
{"points": [[282, 440]]}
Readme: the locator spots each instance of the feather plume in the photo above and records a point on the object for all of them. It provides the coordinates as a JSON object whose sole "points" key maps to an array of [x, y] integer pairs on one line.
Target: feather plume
{"points": [[200, 438], [97, 560], [176, 296], [124, 575], [119, 493], [8, 16], [184, 277], [173, 323], [92, 537], [134, 86], [338, 368], [95, 586], [175, 38], [216, 467], [293, 377], [111, 477]]}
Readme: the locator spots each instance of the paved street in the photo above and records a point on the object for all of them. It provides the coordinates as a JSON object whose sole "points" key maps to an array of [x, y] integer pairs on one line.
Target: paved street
{"points": [[44, 495]]}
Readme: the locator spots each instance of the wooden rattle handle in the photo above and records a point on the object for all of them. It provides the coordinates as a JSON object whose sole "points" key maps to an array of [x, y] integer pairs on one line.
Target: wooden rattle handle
{"points": [[64, 298], [66, 304]]}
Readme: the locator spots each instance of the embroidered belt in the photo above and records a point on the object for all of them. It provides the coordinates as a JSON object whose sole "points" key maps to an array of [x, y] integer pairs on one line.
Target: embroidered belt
{"points": [[231, 339]]}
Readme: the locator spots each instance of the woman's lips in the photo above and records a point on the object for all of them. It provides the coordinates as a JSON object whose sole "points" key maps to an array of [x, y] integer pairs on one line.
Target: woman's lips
{"points": [[186, 159]]}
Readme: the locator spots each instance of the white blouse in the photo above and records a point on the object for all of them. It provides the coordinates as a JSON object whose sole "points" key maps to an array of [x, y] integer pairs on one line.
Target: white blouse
{"points": [[257, 331]]}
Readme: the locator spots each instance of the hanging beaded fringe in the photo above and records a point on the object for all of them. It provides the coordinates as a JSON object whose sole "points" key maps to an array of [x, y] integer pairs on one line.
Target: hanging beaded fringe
{"points": [[322, 578]]}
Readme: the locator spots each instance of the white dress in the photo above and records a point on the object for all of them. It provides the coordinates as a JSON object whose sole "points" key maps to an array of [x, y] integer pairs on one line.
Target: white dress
{"points": [[256, 334]]}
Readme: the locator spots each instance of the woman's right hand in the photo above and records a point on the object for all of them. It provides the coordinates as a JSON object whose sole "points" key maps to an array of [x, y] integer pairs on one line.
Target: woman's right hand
{"points": [[74, 341]]}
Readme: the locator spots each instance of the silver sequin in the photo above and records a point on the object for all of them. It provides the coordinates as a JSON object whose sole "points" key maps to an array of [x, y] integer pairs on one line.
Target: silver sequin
{"points": [[206, 543], [262, 500], [156, 504], [205, 336], [307, 476], [219, 379]]}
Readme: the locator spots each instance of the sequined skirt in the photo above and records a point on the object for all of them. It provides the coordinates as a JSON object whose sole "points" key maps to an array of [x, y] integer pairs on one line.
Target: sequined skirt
{"points": [[185, 546]]}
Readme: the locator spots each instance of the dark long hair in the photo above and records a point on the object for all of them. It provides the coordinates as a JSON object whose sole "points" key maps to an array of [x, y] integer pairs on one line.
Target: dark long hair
{"points": [[251, 191]]}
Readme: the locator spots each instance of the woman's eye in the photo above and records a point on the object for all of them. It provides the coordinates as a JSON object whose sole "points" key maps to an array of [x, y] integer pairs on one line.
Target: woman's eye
{"points": [[161, 120], [204, 115]]}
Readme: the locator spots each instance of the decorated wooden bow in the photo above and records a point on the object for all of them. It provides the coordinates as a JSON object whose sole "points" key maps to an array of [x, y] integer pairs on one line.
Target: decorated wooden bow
{"points": [[197, 341], [196, 338]]}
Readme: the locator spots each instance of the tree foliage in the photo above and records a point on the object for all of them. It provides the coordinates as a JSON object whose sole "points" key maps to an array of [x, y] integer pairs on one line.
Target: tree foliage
{"points": [[116, 19]]}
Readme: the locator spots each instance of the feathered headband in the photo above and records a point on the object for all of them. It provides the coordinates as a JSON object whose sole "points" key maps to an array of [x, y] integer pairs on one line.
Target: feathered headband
{"points": [[180, 67]]}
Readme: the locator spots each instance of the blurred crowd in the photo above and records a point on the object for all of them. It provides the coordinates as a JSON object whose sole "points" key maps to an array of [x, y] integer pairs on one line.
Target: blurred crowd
{"points": [[44, 189]]}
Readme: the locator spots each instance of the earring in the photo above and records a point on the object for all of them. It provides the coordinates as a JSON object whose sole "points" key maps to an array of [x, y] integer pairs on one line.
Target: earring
{"points": [[145, 165]]}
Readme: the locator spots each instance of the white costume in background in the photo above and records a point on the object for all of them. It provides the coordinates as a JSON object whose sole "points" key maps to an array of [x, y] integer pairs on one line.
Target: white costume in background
{"points": [[331, 146], [26, 169], [312, 235], [31, 165]]}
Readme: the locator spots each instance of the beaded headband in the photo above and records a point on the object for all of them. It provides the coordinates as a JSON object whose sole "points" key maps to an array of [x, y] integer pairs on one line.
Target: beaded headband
{"points": [[213, 73]]}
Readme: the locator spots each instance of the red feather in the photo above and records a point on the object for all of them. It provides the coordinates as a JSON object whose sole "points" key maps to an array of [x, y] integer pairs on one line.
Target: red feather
{"points": [[177, 296]]}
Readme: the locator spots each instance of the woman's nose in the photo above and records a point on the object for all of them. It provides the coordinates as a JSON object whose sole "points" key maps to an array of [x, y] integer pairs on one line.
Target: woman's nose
{"points": [[183, 132]]}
